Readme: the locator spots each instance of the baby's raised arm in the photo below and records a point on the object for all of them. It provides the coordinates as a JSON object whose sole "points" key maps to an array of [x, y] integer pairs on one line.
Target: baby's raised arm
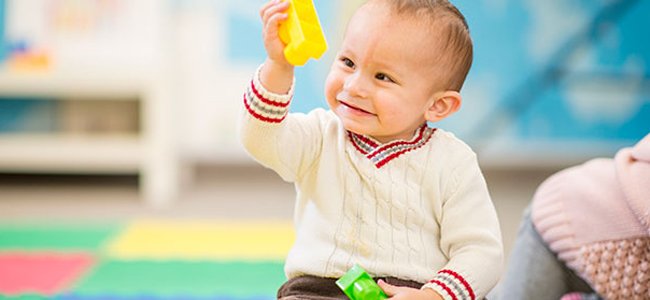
{"points": [[277, 73]]}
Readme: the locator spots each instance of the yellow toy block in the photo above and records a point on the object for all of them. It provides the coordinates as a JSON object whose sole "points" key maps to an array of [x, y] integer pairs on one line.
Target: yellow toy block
{"points": [[302, 33]]}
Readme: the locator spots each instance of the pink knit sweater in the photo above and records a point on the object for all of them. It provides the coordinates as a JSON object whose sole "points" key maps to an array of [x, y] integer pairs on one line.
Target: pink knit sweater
{"points": [[596, 217]]}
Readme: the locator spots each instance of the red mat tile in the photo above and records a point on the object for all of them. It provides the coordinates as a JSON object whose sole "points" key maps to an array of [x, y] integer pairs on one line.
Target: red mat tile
{"points": [[42, 273]]}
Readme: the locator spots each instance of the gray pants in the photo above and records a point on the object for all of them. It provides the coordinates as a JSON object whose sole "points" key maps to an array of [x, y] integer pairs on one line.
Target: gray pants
{"points": [[534, 271], [318, 288]]}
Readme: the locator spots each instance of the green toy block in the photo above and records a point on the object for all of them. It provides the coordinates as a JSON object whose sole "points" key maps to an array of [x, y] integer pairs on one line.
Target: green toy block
{"points": [[302, 33], [358, 285]]}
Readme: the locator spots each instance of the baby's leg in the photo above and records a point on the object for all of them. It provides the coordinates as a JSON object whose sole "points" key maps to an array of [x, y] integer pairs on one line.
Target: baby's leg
{"points": [[534, 271], [310, 288], [318, 288]]}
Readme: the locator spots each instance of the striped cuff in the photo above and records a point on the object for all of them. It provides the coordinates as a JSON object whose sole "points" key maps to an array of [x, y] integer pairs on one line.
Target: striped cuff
{"points": [[451, 285], [264, 105]]}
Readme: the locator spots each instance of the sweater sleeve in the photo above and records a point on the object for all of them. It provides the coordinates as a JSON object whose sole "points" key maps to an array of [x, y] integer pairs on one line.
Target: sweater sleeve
{"points": [[470, 237], [286, 143]]}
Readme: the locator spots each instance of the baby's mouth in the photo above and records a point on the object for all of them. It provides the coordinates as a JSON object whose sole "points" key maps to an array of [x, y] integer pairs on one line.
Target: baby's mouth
{"points": [[355, 108]]}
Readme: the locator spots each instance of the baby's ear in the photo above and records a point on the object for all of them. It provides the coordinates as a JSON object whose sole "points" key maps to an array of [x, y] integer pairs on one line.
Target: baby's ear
{"points": [[443, 105]]}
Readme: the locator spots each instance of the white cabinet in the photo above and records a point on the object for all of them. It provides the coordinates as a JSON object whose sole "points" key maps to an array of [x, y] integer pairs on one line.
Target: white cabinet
{"points": [[122, 57]]}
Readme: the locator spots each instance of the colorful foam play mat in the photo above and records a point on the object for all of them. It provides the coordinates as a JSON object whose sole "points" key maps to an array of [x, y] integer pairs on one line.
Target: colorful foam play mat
{"points": [[144, 259]]}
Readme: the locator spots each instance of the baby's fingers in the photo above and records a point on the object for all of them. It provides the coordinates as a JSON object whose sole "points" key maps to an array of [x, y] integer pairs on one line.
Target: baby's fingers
{"points": [[266, 6], [272, 14], [272, 27], [272, 8]]}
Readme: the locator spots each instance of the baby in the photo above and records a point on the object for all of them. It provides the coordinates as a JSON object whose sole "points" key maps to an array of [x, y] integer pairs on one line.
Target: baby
{"points": [[376, 185]]}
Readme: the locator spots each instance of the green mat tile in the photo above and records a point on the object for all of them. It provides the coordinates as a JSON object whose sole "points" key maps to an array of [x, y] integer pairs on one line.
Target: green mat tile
{"points": [[194, 278], [55, 237]]}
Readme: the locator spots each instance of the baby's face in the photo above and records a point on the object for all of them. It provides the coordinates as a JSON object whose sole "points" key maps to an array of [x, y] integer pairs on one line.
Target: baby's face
{"points": [[382, 80]]}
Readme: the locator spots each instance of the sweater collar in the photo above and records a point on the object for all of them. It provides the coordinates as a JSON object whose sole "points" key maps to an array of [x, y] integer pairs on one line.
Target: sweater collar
{"points": [[381, 154]]}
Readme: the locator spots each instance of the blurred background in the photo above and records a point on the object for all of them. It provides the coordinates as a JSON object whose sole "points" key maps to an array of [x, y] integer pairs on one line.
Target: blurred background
{"points": [[115, 111]]}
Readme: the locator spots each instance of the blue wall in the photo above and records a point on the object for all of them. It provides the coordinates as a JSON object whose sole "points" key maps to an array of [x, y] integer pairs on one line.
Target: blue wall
{"points": [[539, 75], [3, 43]]}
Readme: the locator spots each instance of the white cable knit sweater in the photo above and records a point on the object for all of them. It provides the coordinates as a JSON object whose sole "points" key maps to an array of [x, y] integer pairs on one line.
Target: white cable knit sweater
{"points": [[417, 210]]}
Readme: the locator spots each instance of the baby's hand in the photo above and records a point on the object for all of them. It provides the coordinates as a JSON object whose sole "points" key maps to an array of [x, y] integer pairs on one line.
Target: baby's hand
{"points": [[272, 13], [402, 292]]}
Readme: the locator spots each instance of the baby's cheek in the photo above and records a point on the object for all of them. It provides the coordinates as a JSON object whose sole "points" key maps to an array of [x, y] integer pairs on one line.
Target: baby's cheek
{"points": [[332, 87]]}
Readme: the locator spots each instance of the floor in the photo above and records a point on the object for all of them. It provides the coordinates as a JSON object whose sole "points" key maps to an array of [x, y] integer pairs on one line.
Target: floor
{"points": [[91, 238], [219, 192]]}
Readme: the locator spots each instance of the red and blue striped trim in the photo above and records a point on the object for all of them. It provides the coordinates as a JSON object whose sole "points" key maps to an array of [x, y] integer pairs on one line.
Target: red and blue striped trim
{"points": [[452, 283], [263, 108], [380, 155]]}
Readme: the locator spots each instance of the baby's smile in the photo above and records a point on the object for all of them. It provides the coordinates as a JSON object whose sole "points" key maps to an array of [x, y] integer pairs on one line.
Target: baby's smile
{"points": [[355, 108]]}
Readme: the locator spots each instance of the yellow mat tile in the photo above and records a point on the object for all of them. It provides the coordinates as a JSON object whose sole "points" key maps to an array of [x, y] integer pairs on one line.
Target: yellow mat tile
{"points": [[155, 239]]}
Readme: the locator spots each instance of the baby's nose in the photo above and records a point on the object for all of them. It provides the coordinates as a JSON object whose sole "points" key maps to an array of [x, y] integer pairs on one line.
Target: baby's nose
{"points": [[356, 85]]}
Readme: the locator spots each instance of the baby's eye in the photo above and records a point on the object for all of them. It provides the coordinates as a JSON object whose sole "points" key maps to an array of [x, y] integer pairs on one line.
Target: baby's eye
{"points": [[347, 62], [383, 77]]}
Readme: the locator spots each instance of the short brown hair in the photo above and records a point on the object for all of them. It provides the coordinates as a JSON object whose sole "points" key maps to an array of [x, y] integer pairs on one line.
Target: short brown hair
{"points": [[456, 49]]}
